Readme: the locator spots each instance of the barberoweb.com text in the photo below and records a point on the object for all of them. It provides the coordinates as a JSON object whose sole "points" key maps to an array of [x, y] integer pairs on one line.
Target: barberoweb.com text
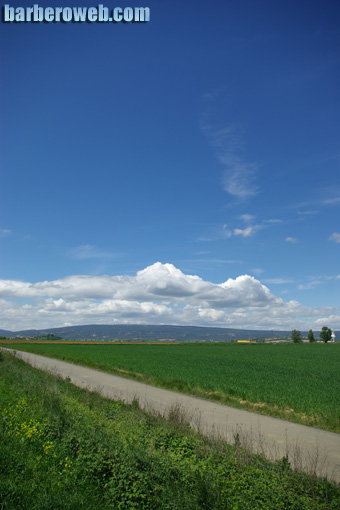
{"points": [[99, 14]]}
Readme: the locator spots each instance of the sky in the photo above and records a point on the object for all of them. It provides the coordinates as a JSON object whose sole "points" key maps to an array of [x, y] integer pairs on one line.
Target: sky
{"points": [[185, 170]]}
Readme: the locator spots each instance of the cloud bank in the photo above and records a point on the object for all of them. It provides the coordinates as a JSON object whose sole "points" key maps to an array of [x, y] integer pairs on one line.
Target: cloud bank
{"points": [[158, 294]]}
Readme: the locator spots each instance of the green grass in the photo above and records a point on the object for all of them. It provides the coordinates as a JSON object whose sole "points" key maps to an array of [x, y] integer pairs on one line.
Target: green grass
{"points": [[299, 382], [64, 448]]}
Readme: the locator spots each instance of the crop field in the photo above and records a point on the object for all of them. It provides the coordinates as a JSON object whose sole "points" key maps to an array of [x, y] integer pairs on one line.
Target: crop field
{"points": [[298, 382]]}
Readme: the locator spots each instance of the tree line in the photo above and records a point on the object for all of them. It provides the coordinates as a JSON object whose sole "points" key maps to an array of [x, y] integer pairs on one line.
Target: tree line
{"points": [[325, 335]]}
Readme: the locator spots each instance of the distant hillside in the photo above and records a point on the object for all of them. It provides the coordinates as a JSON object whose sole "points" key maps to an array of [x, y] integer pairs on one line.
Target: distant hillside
{"points": [[4, 332], [131, 332]]}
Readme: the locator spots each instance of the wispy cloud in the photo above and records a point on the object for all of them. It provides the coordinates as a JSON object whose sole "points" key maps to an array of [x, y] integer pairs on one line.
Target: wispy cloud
{"points": [[246, 232], [257, 270], [310, 285], [314, 281], [5, 232], [247, 217], [216, 261], [278, 281], [331, 201], [239, 177], [335, 237], [272, 221], [332, 198], [250, 229], [291, 240], [88, 251], [307, 213]]}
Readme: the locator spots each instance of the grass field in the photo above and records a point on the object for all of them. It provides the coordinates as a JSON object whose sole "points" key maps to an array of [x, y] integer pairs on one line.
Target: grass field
{"points": [[298, 382], [66, 448]]}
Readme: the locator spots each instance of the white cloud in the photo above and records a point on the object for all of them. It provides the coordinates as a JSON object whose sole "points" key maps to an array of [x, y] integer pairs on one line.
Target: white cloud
{"points": [[291, 240], [335, 237], [158, 294], [332, 321]]}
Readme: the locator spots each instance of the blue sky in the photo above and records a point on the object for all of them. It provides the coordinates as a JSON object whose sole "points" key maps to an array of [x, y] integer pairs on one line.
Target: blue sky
{"points": [[180, 171]]}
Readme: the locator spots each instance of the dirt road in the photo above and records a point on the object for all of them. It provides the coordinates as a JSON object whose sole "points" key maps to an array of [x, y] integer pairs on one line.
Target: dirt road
{"points": [[309, 449]]}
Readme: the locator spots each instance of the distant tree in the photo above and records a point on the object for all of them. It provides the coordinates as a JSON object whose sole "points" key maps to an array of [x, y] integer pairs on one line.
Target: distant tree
{"points": [[296, 336], [311, 336], [325, 334]]}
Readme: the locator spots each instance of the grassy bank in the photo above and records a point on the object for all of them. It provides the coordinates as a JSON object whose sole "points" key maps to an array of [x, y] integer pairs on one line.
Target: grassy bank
{"points": [[65, 448], [297, 382]]}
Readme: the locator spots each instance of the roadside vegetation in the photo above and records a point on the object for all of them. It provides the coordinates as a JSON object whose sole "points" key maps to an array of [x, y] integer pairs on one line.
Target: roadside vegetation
{"points": [[65, 448], [297, 382]]}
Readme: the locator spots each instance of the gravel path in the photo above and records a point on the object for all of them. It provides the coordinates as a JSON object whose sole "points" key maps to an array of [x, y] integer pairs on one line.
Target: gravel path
{"points": [[310, 449]]}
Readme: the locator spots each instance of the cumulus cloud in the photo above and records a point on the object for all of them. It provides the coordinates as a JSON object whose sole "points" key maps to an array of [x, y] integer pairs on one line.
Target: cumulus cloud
{"points": [[158, 294], [156, 282], [334, 320]]}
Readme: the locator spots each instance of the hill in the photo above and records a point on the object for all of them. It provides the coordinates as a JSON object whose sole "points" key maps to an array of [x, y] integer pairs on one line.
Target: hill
{"points": [[135, 332]]}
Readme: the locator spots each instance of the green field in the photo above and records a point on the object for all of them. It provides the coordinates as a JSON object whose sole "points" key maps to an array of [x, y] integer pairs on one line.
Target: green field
{"points": [[299, 382], [65, 448]]}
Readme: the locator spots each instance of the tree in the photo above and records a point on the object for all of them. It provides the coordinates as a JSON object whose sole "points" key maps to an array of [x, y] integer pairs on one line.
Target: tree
{"points": [[325, 334], [296, 336], [311, 336]]}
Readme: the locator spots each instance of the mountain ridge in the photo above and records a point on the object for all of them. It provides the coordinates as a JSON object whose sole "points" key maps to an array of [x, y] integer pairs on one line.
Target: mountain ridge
{"points": [[137, 332]]}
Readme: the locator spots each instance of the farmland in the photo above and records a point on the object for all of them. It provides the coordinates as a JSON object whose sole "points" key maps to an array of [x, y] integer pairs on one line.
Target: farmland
{"points": [[298, 382], [66, 448]]}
